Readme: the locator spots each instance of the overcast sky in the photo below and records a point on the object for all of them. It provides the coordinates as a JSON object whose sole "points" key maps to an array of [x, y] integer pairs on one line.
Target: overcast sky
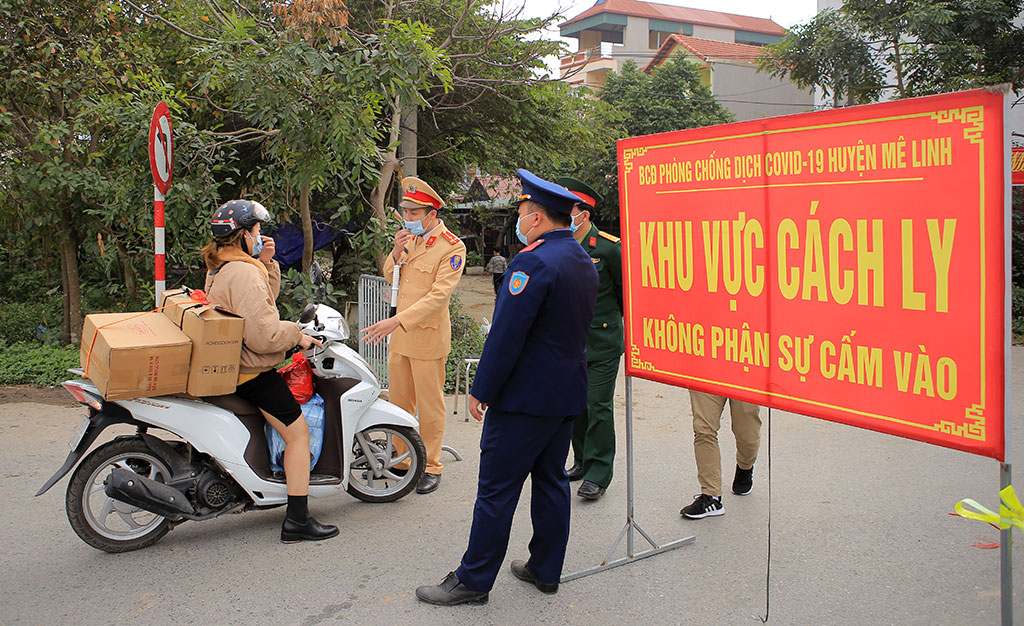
{"points": [[785, 12]]}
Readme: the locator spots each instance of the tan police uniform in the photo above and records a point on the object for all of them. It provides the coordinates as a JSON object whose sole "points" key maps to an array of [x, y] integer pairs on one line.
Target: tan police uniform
{"points": [[431, 266]]}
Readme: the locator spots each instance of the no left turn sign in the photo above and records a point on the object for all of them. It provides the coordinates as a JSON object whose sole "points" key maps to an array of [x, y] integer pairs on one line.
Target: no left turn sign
{"points": [[161, 148]]}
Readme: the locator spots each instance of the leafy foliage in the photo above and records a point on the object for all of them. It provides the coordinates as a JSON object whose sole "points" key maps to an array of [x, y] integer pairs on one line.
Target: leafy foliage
{"points": [[827, 52], [36, 364], [924, 46], [672, 97], [467, 341]]}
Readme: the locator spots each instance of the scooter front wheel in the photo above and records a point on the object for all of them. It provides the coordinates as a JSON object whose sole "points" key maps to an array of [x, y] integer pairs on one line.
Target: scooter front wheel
{"points": [[101, 521], [374, 475]]}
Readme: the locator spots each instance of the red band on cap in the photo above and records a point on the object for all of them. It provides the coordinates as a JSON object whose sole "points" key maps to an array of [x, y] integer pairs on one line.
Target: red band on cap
{"points": [[423, 199], [587, 199]]}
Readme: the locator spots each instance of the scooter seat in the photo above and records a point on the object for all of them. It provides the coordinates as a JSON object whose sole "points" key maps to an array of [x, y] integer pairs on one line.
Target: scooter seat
{"points": [[234, 403]]}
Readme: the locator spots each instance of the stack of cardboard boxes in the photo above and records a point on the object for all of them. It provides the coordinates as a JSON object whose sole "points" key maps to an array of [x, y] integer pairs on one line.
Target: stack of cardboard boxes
{"points": [[186, 346]]}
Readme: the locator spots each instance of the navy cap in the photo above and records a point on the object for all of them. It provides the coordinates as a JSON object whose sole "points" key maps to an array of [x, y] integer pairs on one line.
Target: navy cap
{"points": [[552, 196]]}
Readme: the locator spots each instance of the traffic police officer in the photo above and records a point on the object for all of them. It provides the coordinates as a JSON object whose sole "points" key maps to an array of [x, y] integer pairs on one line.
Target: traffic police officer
{"points": [[431, 259], [593, 436], [532, 381]]}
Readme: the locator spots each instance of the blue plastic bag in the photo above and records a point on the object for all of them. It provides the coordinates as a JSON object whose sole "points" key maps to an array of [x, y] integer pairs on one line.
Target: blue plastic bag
{"points": [[313, 411]]}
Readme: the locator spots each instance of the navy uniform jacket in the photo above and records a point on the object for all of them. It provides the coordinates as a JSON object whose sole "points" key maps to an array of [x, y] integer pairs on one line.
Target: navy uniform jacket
{"points": [[534, 360]]}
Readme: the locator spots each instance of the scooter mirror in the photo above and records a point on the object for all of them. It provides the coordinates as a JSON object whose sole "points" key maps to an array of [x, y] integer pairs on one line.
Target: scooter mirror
{"points": [[316, 273], [307, 314]]}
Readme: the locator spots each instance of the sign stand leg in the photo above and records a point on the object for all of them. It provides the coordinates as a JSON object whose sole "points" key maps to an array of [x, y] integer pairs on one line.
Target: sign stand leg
{"points": [[1006, 557], [631, 525], [158, 243]]}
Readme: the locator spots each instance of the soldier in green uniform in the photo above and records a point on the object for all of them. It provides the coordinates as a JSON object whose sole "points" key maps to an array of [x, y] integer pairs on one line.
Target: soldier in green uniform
{"points": [[593, 437]]}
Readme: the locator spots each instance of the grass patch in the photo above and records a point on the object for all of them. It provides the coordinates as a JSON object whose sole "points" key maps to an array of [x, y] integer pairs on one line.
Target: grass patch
{"points": [[36, 364]]}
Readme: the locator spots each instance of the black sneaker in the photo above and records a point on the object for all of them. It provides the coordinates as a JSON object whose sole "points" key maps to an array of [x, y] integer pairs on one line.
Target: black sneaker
{"points": [[703, 506], [743, 481]]}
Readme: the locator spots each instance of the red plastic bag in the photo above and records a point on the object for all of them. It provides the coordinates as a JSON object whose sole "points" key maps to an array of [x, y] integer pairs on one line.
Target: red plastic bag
{"points": [[299, 376]]}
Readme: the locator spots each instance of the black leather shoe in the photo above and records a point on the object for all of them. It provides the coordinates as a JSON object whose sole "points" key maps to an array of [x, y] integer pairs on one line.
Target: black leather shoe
{"points": [[590, 490], [575, 473], [312, 530], [450, 592], [428, 483], [522, 572]]}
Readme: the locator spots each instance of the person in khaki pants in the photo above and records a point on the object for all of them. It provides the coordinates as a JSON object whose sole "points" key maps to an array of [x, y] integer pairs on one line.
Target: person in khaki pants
{"points": [[707, 419], [431, 259]]}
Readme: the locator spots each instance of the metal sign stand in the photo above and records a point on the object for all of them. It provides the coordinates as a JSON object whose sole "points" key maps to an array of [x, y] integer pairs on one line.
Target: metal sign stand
{"points": [[631, 525]]}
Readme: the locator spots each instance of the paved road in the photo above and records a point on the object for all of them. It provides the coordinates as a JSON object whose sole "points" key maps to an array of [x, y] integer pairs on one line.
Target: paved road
{"points": [[859, 535]]}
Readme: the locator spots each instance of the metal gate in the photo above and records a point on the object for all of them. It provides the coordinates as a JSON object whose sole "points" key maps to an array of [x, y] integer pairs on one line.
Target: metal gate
{"points": [[373, 308]]}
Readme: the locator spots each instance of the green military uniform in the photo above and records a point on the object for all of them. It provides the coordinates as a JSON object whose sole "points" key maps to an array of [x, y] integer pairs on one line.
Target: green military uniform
{"points": [[593, 438]]}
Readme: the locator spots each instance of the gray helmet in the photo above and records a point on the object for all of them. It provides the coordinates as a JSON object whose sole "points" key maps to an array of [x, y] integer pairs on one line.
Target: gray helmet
{"points": [[236, 215]]}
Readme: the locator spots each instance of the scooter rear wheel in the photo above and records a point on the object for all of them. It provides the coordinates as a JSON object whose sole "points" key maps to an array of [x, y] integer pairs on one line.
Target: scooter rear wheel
{"points": [[107, 524], [373, 477]]}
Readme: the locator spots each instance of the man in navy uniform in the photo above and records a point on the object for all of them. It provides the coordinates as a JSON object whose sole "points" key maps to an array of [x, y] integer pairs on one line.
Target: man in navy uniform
{"points": [[532, 381]]}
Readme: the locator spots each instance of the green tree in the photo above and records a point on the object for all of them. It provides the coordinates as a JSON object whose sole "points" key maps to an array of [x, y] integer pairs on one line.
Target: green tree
{"points": [[74, 111], [670, 98], [827, 52], [925, 47]]}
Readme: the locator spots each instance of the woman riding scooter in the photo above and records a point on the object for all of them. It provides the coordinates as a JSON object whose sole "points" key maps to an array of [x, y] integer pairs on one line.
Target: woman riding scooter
{"points": [[244, 278]]}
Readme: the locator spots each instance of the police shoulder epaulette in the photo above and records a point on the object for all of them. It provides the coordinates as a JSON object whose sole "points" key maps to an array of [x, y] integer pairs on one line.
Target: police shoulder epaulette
{"points": [[450, 237], [532, 245], [611, 238]]}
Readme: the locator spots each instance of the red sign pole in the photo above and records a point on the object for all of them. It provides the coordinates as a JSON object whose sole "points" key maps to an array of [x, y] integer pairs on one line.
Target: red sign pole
{"points": [[161, 163]]}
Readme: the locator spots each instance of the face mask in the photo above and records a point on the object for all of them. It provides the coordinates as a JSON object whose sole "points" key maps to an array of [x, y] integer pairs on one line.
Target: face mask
{"points": [[256, 247], [416, 227], [519, 233], [573, 226]]}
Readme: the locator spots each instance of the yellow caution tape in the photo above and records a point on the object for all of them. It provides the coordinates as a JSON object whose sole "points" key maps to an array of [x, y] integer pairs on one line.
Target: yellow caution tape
{"points": [[1010, 511]]}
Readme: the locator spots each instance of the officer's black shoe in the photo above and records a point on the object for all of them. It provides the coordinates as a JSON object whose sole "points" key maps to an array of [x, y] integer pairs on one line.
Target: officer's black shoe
{"points": [[397, 471], [522, 572], [575, 472], [590, 490], [743, 482], [312, 530], [428, 483], [450, 592]]}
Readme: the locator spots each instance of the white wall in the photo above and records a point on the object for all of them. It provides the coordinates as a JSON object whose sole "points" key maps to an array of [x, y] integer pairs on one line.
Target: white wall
{"points": [[750, 95], [716, 34]]}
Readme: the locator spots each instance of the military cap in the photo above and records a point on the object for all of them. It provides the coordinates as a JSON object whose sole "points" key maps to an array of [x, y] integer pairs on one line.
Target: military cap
{"points": [[416, 193], [552, 196], [585, 192]]}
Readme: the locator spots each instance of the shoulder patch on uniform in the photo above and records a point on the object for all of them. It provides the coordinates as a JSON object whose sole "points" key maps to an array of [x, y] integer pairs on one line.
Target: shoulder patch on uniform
{"points": [[450, 237], [456, 262], [611, 238], [532, 246], [517, 283]]}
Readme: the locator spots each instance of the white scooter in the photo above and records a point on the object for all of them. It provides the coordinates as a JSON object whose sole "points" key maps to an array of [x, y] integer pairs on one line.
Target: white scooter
{"points": [[130, 492]]}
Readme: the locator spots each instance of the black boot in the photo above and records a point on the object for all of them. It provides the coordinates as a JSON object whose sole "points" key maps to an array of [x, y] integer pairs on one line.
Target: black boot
{"points": [[300, 526]]}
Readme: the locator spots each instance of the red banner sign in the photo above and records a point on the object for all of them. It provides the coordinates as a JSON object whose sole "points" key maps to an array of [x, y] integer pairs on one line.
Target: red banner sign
{"points": [[1017, 166], [846, 264]]}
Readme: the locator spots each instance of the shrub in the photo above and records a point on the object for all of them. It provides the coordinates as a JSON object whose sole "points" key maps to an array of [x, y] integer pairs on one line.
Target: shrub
{"points": [[467, 341], [31, 321], [474, 259], [1017, 313], [36, 364]]}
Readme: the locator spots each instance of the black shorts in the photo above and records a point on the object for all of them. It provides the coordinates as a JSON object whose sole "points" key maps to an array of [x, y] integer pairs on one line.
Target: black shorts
{"points": [[269, 392]]}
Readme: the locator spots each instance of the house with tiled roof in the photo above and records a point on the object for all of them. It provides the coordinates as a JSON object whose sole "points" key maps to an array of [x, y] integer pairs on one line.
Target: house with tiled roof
{"points": [[724, 45], [730, 71]]}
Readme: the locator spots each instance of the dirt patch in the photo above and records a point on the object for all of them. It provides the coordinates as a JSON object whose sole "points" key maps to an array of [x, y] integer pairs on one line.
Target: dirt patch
{"points": [[55, 396], [477, 294]]}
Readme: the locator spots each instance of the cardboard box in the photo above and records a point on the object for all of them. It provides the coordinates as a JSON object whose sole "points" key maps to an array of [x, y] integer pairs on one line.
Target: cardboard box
{"points": [[176, 302], [131, 355], [216, 337]]}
